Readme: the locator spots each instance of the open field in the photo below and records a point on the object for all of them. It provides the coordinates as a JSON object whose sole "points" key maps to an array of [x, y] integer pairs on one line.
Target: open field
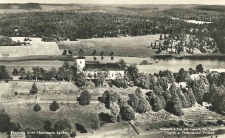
{"points": [[24, 114], [124, 46], [34, 47], [48, 91], [36, 57]]}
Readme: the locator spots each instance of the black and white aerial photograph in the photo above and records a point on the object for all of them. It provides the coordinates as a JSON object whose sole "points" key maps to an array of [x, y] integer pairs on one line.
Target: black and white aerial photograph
{"points": [[112, 69]]}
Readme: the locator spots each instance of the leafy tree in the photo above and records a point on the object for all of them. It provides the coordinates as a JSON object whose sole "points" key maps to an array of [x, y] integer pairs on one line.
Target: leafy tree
{"points": [[160, 38], [47, 126], [157, 104], [36, 72], [95, 122], [132, 72], [94, 58], [199, 68], [109, 97], [199, 89], [4, 121], [143, 106], [138, 102], [112, 53], [101, 54], [167, 96], [85, 98], [168, 74], [119, 83], [127, 113], [115, 110], [177, 108], [220, 122], [94, 52], [54, 106], [51, 74], [34, 89], [81, 53], [182, 98], [163, 82], [23, 74], [139, 93], [191, 71], [63, 125], [4, 74], [15, 72], [143, 81], [122, 63], [22, 69], [61, 73], [73, 134], [80, 80], [64, 52], [133, 101], [190, 98], [13, 127], [182, 75], [70, 52], [37, 108]]}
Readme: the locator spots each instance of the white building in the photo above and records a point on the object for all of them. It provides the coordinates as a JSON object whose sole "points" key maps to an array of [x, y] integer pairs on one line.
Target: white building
{"points": [[217, 70], [197, 76], [92, 69]]}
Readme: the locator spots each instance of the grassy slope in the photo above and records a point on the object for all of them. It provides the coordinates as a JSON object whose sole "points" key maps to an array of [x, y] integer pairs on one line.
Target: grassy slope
{"points": [[24, 114], [125, 46]]}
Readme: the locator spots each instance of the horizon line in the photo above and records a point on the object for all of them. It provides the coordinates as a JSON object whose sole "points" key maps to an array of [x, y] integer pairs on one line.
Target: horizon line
{"points": [[118, 3]]}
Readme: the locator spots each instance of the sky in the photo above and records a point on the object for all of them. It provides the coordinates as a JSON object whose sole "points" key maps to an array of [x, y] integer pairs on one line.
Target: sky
{"points": [[210, 2]]}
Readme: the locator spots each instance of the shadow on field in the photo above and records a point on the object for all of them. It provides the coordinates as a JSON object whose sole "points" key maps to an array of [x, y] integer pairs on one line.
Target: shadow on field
{"points": [[105, 117], [80, 128]]}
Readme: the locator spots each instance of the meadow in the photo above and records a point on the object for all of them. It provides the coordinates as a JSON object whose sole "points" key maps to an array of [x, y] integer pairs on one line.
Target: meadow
{"points": [[123, 46]]}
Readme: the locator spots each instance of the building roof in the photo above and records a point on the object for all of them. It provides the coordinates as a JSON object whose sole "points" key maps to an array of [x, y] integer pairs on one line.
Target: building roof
{"points": [[110, 66], [92, 62], [80, 57]]}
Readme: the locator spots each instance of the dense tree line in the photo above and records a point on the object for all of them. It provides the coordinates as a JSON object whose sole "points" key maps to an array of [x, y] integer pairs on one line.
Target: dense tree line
{"points": [[82, 25], [65, 72]]}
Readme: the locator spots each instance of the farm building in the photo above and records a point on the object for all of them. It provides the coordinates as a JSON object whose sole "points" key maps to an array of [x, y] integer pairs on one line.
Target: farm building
{"points": [[92, 69]]}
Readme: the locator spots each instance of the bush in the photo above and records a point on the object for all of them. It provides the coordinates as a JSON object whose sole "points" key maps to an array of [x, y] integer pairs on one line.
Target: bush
{"points": [[181, 123], [16, 93], [63, 125], [219, 122], [37, 108], [54, 106], [127, 113], [80, 80], [34, 89], [95, 122], [13, 127], [85, 98], [119, 83], [144, 62], [73, 134], [4, 121], [109, 97]]}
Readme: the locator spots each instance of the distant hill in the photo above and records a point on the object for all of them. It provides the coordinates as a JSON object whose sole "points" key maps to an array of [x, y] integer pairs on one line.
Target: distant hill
{"points": [[137, 9], [218, 8]]}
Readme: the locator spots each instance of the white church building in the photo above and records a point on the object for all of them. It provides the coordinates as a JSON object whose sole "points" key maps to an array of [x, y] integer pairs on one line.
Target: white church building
{"points": [[92, 69]]}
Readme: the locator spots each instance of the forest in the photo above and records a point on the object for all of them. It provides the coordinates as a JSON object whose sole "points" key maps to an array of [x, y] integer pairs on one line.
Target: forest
{"points": [[60, 25]]}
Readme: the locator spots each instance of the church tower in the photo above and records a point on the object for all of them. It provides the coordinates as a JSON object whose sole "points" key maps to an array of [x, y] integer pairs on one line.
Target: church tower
{"points": [[81, 62]]}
